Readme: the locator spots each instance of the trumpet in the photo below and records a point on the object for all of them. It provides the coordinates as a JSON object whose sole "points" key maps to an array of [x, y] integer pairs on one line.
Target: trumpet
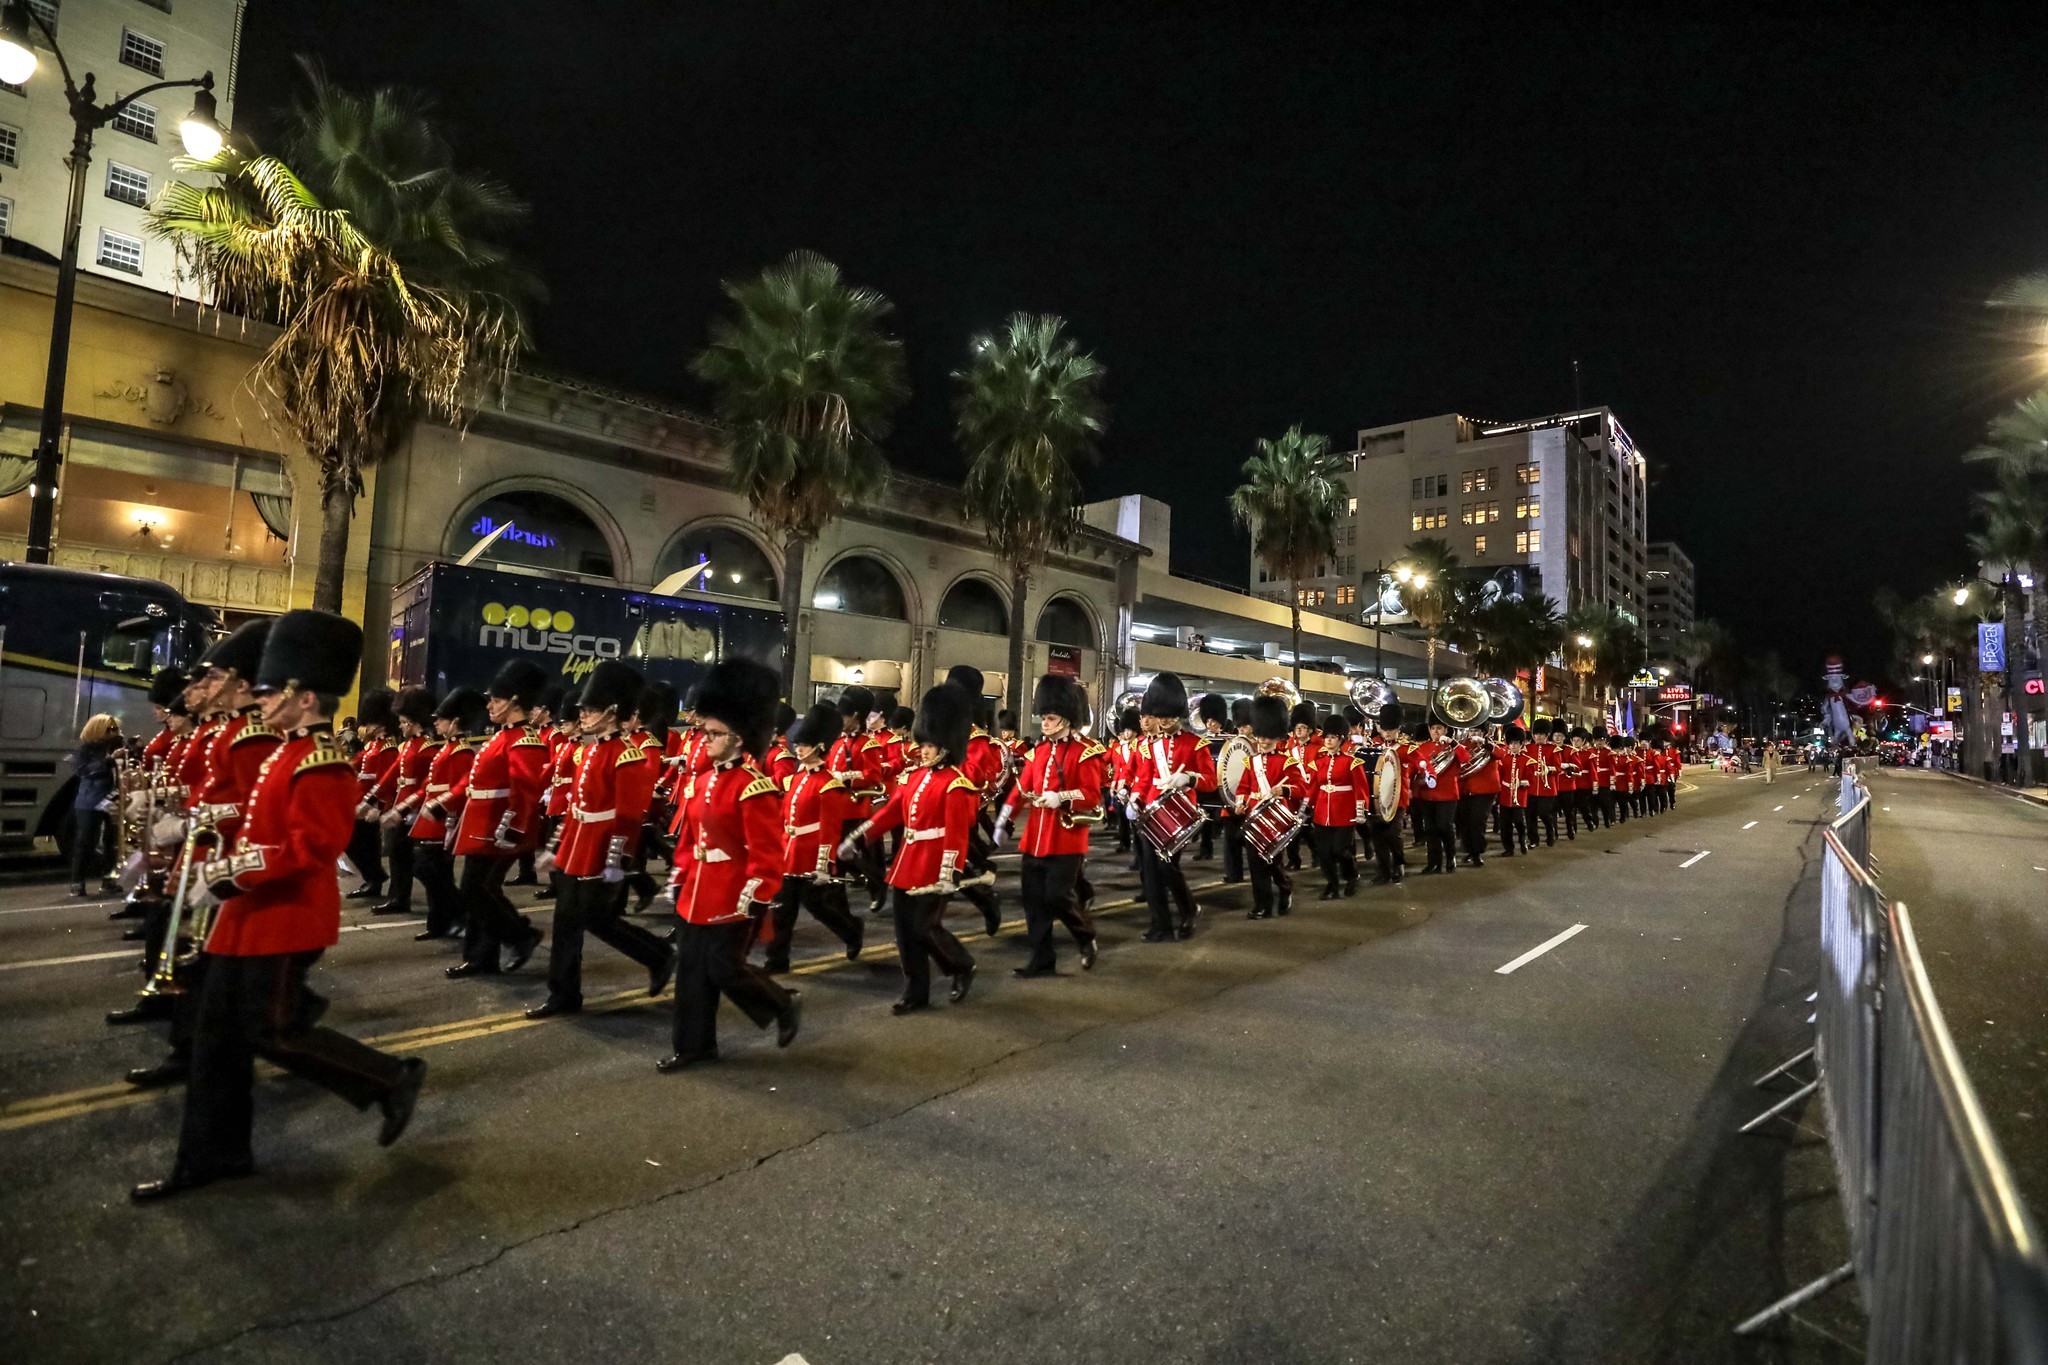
{"points": [[164, 980]]}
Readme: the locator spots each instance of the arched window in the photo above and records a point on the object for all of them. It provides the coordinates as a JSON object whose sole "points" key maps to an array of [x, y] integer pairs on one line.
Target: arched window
{"points": [[971, 604], [737, 566], [863, 586], [542, 531], [1065, 622]]}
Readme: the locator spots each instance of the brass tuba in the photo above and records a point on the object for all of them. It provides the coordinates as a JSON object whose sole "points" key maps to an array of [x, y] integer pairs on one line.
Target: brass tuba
{"points": [[1504, 701], [1463, 702], [1283, 689], [1371, 695]]}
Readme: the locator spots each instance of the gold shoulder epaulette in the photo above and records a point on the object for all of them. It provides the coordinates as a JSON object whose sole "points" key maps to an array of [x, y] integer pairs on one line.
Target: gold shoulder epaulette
{"points": [[529, 738], [631, 754], [322, 756], [255, 729], [961, 783], [761, 785], [1092, 750], [832, 782]]}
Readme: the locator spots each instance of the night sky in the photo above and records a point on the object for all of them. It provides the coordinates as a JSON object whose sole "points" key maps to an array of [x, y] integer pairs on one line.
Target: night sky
{"points": [[1766, 240]]}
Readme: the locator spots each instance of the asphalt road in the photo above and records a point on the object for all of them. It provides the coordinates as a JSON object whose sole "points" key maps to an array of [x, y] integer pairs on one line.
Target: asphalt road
{"points": [[1345, 1135], [1971, 865]]}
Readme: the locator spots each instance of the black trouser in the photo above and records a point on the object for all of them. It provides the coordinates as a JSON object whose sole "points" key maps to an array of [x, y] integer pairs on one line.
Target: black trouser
{"points": [[92, 843], [1568, 807], [711, 960], [435, 868], [827, 903], [490, 922], [1233, 847], [1051, 894], [400, 847], [1210, 816], [1438, 821], [981, 847], [365, 851], [1475, 815], [1670, 793], [1266, 878], [1117, 817], [868, 863], [1418, 821], [1514, 828], [1588, 804], [1335, 856], [922, 939], [1386, 845], [1542, 811], [259, 1007], [590, 905], [1604, 806], [1163, 879]]}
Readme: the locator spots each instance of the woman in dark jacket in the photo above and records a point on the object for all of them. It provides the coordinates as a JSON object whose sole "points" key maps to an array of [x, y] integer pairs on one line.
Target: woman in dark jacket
{"points": [[92, 815]]}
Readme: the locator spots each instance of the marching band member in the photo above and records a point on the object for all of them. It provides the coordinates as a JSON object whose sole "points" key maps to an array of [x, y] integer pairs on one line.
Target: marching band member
{"points": [[1212, 711], [159, 761], [414, 711], [1600, 762], [540, 719], [1122, 755], [1575, 793], [500, 820], [1061, 784], [814, 813], [556, 777], [377, 782], [1304, 739], [459, 723], [590, 846], [280, 909], [863, 782], [937, 805], [1514, 764], [645, 779], [1388, 854], [1233, 823], [1543, 779], [1478, 786], [1338, 800], [728, 866], [984, 764], [1436, 763], [1168, 760], [1274, 773], [781, 761]]}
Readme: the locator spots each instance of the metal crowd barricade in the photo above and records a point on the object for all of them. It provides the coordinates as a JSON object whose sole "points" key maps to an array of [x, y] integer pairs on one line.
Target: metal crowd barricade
{"points": [[1947, 1260]]}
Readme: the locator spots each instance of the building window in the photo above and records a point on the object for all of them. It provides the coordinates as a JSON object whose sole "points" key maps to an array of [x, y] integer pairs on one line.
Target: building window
{"points": [[119, 251], [1437, 519], [1492, 512], [142, 52], [536, 530], [127, 184], [1309, 597], [861, 585], [1528, 472], [1528, 542], [719, 560], [137, 120], [6, 216], [1479, 545], [974, 605], [1415, 521], [1465, 481], [1346, 596], [10, 146], [1528, 509], [1066, 622], [1488, 479]]}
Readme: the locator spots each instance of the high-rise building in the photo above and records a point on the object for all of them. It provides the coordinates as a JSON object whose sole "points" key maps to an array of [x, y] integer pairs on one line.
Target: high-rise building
{"points": [[1555, 505], [1670, 587], [125, 44]]}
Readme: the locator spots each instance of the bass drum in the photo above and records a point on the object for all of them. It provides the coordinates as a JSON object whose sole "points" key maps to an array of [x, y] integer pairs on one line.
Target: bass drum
{"points": [[1386, 787], [1233, 756]]}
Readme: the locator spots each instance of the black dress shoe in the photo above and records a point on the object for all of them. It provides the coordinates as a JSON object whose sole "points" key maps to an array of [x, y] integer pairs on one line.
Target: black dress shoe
{"points": [[775, 966], [992, 922], [860, 939], [963, 982], [909, 1006], [524, 879], [1088, 955], [525, 950], [1382, 881], [149, 1191], [1328, 893], [462, 969], [390, 908], [791, 1018], [126, 910], [548, 1009], [1158, 936], [366, 892], [546, 893], [676, 1061], [143, 1011], [134, 933], [1258, 912], [659, 975], [398, 1105], [169, 1071], [423, 935], [1029, 973]]}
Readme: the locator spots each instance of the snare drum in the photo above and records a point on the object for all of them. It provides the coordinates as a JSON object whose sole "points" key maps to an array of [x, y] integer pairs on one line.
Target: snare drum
{"points": [[1170, 823], [1271, 827]]}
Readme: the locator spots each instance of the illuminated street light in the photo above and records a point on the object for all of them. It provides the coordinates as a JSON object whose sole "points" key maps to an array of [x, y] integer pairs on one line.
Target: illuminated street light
{"points": [[1962, 596]]}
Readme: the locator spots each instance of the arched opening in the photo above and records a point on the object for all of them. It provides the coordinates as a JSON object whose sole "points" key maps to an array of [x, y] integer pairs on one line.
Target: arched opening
{"points": [[542, 531], [974, 604], [736, 565], [863, 586], [1066, 622]]}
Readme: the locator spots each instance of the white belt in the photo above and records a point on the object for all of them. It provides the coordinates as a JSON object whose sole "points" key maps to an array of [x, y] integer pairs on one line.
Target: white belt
{"points": [[803, 829], [1344, 788], [713, 855], [575, 814], [441, 788], [490, 794], [918, 836]]}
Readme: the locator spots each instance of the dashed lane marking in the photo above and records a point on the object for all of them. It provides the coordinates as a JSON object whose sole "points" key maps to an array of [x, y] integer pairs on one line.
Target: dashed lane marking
{"points": [[62, 905], [1695, 858], [1538, 951], [134, 952], [1777, 808], [1750, 825]]}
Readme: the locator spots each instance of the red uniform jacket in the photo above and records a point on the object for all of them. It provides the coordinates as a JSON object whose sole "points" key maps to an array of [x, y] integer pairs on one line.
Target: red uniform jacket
{"points": [[415, 761], [729, 846], [937, 808], [238, 750], [284, 897], [377, 773], [815, 809], [156, 753], [781, 762], [1543, 771], [189, 776], [1484, 780], [843, 761], [1160, 758], [602, 806], [1269, 775], [559, 772], [1338, 789], [1075, 765], [1600, 763], [640, 774], [501, 806], [1516, 785], [1422, 761], [1575, 766], [441, 799]]}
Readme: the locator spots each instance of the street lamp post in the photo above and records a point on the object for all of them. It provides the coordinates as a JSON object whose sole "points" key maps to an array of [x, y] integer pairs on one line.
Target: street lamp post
{"points": [[202, 137]]}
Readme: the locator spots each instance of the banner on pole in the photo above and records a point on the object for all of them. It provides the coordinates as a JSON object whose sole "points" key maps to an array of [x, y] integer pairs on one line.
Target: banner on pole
{"points": [[1991, 646]]}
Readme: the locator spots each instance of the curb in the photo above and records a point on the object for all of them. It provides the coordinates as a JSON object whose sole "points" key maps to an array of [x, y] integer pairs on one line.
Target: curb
{"points": [[2000, 788]]}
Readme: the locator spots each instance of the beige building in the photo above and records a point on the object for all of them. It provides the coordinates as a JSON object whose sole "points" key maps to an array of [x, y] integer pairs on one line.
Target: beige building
{"points": [[126, 44]]}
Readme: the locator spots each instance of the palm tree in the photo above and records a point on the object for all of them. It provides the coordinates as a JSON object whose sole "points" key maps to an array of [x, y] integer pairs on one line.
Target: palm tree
{"points": [[1433, 597], [806, 379], [2014, 535], [1602, 646], [1290, 500], [1514, 635], [1029, 414], [374, 257]]}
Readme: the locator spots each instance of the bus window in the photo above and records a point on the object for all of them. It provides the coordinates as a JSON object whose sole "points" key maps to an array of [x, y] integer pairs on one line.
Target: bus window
{"points": [[136, 644]]}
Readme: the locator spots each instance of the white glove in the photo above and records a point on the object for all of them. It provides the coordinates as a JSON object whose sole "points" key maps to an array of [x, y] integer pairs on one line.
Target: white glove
{"points": [[132, 870], [1180, 780], [202, 896], [544, 863], [1049, 800], [1001, 830], [612, 875], [1429, 779], [105, 807], [137, 803], [169, 829], [849, 850], [390, 818]]}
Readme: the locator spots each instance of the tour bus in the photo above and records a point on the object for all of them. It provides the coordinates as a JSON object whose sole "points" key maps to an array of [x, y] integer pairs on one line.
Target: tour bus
{"points": [[454, 626], [73, 644]]}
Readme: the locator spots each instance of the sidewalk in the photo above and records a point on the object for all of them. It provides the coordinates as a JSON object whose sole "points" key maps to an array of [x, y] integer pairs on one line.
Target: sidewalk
{"points": [[2037, 795]]}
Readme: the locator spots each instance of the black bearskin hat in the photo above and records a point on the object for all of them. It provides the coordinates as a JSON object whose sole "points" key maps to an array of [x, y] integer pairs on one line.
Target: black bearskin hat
{"points": [[1352, 715], [968, 679], [551, 698], [1127, 721], [466, 707], [176, 706], [167, 686], [1166, 697], [1514, 734], [375, 708], [1393, 716], [1335, 724], [741, 694], [1599, 733], [1304, 713], [1212, 706], [415, 704], [656, 707], [820, 726], [855, 703], [1241, 713], [1269, 718], [902, 718], [519, 682], [944, 718], [1578, 732], [612, 684], [1006, 719], [1055, 694], [310, 650], [785, 716], [242, 652]]}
